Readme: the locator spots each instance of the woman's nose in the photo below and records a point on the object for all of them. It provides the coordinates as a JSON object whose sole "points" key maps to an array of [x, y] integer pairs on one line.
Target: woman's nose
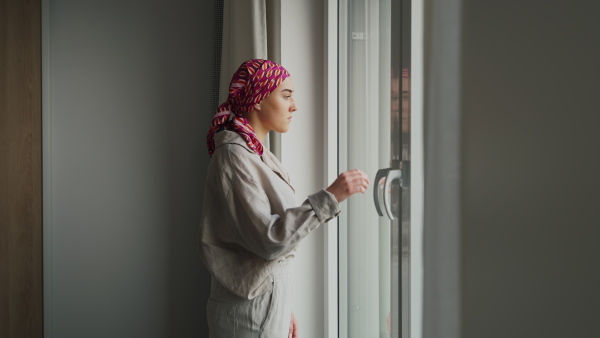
{"points": [[293, 107]]}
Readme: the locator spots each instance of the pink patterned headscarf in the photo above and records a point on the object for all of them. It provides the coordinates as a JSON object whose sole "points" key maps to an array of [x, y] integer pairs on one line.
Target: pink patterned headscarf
{"points": [[252, 82]]}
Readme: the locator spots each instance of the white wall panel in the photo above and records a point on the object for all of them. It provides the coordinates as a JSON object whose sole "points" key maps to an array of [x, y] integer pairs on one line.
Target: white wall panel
{"points": [[302, 154]]}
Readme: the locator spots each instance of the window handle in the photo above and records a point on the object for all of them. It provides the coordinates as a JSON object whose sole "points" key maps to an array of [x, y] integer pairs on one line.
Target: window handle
{"points": [[388, 176]]}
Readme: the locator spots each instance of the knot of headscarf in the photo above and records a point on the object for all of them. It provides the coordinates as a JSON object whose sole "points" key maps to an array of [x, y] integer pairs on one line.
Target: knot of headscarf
{"points": [[252, 82]]}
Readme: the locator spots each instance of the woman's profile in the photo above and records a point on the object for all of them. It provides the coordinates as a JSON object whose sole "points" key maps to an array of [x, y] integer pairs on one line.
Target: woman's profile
{"points": [[252, 222]]}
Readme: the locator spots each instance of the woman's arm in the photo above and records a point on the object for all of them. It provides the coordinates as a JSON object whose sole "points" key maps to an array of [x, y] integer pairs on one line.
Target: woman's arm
{"points": [[267, 220], [274, 235]]}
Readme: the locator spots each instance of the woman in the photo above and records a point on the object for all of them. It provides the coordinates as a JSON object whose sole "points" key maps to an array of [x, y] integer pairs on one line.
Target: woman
{"points": [[252, 223]]}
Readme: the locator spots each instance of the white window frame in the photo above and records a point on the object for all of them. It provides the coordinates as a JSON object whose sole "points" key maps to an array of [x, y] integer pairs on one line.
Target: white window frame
{"points": [[331, 165], [417, 170]]}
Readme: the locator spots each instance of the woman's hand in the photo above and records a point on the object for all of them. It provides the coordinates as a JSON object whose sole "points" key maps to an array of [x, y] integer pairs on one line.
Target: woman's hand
{"points": [[293, 327], [349, 183]]}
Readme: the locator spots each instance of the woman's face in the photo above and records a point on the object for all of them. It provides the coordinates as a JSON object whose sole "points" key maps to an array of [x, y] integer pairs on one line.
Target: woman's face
{"points": [[276, 110]]}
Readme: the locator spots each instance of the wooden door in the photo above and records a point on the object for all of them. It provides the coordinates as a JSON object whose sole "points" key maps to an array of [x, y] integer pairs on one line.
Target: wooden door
{"points": [[21, 300]]}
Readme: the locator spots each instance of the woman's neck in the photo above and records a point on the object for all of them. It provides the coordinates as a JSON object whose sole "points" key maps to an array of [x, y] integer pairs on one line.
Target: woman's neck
{"points": [[260, 131]]}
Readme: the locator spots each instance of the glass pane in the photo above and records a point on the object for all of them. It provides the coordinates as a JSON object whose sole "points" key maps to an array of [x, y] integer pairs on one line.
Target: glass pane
{"points": [[374, 120]]}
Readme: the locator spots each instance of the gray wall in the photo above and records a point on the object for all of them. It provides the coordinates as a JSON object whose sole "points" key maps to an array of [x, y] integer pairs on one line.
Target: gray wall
{"points": [[530, 165], [127, 104]]}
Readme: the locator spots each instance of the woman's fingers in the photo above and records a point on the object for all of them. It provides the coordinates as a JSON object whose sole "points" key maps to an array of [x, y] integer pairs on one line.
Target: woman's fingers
{"points": [[349, 183], [359, 179], [355, 174]]}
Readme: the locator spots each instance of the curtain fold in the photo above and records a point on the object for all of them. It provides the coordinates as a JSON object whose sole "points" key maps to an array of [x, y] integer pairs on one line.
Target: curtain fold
{"points": [[244, 37], [250, 30]]}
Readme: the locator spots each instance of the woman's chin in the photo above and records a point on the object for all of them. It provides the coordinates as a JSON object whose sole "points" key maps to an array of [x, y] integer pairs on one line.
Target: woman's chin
{"points": [[283, 130]]}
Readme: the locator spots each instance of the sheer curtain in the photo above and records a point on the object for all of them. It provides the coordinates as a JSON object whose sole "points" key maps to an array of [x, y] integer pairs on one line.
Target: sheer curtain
{"points": [[250, 29]]}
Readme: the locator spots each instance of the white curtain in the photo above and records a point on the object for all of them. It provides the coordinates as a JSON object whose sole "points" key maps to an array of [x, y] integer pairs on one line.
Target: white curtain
{"points": [[251, 30]]}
